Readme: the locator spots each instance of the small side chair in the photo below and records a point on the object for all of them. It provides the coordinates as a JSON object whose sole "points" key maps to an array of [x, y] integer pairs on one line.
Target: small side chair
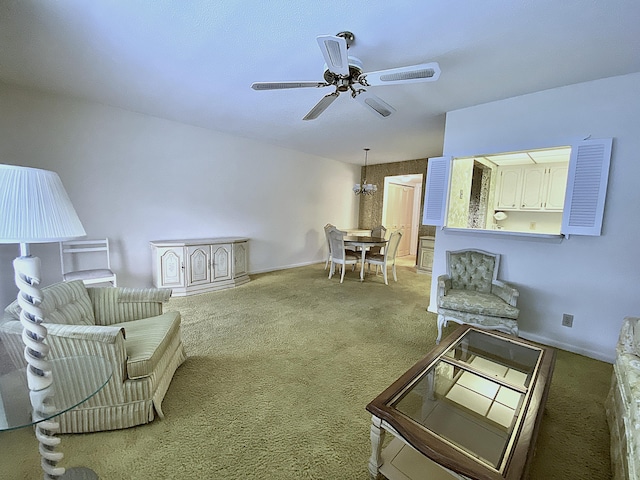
{"points": [[471, 293], [87, 260]]}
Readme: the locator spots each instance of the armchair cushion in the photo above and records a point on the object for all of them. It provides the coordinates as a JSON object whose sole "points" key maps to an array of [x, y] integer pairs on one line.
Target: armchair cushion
{"points": [[64, 303], [477, 303], [147, 342]]}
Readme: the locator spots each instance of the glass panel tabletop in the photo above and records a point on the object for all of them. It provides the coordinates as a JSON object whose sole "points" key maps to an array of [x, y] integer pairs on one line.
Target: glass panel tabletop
{"points": [[75, 380], [469, 398]]}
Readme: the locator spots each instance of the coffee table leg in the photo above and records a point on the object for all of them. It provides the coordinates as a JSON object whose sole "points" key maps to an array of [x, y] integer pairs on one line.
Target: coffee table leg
{"points": [[377, 438]]}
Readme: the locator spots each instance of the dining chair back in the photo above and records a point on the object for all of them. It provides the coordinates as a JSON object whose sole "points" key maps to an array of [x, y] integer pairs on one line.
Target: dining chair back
{"points": [[388, 258], [328, 227], [378, 231], [87, 260]]}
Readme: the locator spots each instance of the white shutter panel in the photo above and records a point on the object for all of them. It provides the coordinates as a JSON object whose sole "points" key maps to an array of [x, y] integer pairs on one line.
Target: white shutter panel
{"points": [[437, 188], [586, 187]]}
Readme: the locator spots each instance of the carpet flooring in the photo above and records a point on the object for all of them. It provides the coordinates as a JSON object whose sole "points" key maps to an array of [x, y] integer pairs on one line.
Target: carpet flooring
{"points": [[278, 375]]}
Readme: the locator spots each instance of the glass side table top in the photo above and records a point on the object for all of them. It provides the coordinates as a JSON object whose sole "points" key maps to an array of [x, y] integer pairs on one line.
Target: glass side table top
{"points": [[75, 380], [472, 401]]}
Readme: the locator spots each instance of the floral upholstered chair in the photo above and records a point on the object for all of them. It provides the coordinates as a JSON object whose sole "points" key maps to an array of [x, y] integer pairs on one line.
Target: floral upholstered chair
{"points": [[471, 293]]}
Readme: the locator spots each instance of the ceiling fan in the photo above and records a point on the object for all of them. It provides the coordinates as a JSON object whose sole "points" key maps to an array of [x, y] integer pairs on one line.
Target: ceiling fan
{"points": [[346, 74]]}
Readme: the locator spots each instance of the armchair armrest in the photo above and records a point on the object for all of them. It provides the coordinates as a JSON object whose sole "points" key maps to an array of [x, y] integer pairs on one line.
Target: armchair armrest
{"points": [[95, 340], [444, 285], [117, 304], [505, 291], [629, 338], [72, 340]]}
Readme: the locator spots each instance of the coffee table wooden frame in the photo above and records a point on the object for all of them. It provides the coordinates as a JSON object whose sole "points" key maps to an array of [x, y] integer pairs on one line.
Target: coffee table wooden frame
{"points": [[461, 465]]}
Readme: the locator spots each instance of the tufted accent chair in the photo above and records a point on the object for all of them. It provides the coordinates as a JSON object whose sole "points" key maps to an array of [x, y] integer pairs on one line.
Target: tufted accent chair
{"points": [[471, 293]]}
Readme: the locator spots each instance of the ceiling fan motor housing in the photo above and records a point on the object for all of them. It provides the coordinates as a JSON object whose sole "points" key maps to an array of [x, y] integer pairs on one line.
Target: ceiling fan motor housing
{"points": [[343, 83]]}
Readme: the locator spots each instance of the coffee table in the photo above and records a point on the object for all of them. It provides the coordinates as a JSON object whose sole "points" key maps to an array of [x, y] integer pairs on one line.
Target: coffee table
{"points": [[470, 409]]}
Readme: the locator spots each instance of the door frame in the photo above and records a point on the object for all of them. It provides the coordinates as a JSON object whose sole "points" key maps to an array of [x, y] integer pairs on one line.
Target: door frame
{"points": [[412, 180]]}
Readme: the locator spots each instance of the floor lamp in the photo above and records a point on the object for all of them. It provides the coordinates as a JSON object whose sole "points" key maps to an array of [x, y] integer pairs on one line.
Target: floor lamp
{"points": [[35, 208]]}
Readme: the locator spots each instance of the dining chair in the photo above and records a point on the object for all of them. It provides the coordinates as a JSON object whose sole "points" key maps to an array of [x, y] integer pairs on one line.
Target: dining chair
{"points": [[339, 255], [386, 259], [87, 260], [328, 227], [378, 231]]}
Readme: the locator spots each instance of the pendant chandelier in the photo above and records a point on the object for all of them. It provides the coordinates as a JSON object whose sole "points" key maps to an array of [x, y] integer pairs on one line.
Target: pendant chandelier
{"points": [[365, 188]]}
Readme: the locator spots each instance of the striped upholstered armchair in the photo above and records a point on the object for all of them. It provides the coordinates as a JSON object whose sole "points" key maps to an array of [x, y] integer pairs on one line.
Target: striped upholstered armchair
{"points": [[125, 326], [471, 293]]}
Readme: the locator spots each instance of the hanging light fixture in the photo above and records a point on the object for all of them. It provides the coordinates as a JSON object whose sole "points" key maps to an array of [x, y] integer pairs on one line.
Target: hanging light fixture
{"points": [[365, 188]]}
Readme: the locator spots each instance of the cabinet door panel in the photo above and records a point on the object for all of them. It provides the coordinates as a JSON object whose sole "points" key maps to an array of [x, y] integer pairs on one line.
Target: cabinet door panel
{"points": [[240, 255], [171, 267], [221, 262], [532, 188], [510, 188], [557, 188], [198, 271], [425, 254]]}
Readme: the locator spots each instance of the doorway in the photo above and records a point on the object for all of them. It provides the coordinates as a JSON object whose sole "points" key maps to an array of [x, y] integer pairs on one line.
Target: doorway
{"points": [[401, 209]]}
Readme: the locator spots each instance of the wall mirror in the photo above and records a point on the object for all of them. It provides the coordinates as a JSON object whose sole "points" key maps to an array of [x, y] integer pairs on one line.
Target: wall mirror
{"points": [[520, 191]]}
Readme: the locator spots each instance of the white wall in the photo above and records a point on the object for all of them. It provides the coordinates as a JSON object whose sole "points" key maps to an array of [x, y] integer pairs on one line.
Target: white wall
{"points": [[597, 279], [136, 178]]}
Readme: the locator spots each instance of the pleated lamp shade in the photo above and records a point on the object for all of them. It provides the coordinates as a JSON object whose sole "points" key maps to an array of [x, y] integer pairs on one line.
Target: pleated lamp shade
{"points": [[35, 207]]}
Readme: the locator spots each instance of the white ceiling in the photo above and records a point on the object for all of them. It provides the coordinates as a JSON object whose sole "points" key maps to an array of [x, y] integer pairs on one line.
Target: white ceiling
{"points": [[194, 61]]}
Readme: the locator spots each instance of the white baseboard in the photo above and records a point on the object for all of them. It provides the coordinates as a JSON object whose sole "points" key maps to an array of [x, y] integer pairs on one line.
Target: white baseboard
{"points": [[597, 355], [285, 267], [568, 347]]}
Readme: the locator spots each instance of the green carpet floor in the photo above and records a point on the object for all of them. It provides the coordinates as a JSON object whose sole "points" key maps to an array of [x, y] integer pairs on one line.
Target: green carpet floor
{"points": [[278, 376]]}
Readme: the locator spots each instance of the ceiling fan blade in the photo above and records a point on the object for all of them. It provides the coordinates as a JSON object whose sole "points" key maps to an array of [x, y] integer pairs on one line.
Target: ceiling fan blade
{"points": [[334, 51], [375, 103], [280, 85], [424, 72], [321, 106]]}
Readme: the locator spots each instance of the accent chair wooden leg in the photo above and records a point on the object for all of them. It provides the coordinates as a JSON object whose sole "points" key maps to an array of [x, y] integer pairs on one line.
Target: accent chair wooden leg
{"points": [[441, 323]]}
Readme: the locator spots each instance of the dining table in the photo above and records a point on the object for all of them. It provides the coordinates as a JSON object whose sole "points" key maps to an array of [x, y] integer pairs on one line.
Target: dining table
{"points": [[363, 243]]}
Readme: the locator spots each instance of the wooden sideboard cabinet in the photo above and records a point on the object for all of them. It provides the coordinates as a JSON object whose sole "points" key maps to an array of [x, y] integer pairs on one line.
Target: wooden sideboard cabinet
{"points": [[425, 254], [200, 265]]}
